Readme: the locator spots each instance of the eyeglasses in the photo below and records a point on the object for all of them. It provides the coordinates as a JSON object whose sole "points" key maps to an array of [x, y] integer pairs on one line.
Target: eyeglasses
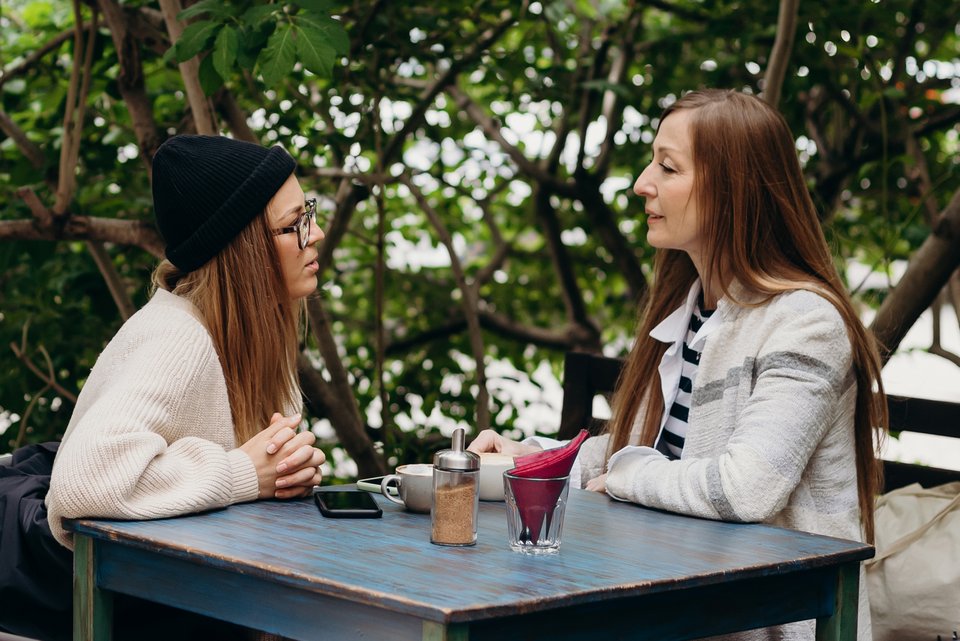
{"points": [[302, 224]]}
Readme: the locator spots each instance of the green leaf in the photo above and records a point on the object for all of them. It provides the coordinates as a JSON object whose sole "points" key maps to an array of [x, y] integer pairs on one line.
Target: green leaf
{"points": [[313, 51], [277, 59], [257, 14], [216, 9], [225, 51], [170, 55], [331, 31], [318, 6], [210, 80], [194, 39]]}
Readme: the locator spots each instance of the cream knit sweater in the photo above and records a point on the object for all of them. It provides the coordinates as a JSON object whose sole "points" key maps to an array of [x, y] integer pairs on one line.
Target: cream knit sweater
{"points": [[152, 434]]}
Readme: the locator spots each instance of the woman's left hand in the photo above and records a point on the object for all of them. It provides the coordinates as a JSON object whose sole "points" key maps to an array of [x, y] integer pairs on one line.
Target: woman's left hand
{"points": [[597, 484], [298, 468]]}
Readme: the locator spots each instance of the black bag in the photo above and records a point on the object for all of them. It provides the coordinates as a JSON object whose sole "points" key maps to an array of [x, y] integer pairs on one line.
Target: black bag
{"points": [[36, 572]]}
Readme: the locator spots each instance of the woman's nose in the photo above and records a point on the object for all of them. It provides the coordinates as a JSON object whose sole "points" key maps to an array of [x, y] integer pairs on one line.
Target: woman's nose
{"points": [[316, 233], [642, 186]]}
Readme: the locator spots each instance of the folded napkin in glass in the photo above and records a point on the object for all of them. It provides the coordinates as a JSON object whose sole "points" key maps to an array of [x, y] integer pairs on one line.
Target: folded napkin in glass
{"points": [[538, 486]]}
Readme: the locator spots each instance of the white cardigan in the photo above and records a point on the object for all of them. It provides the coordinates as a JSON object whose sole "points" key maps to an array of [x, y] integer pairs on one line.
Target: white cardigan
{"points": [[152, 434]]}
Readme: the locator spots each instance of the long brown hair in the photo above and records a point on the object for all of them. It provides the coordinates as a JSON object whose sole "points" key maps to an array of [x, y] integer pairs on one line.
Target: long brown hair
{"points": [[243, 300], [760, 228]]}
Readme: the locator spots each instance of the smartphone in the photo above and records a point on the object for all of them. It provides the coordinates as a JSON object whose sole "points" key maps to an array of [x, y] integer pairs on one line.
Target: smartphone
{"points": [[345, 504], [373, 485]]}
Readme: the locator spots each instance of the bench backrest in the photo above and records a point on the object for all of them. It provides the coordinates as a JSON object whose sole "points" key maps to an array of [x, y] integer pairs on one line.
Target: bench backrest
{"points": [[587, 375]]}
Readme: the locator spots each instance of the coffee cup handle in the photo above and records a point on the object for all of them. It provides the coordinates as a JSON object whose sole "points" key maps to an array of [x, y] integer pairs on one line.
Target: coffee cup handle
{"points": [[383, 488]]}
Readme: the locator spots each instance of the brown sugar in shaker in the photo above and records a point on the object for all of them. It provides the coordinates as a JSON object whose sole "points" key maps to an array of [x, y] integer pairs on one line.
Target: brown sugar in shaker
{"points": [[456, 494]]}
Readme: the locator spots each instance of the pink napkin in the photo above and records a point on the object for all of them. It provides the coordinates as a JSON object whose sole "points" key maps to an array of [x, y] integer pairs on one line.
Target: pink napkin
{"points": [[536, 492], [549, 463]]}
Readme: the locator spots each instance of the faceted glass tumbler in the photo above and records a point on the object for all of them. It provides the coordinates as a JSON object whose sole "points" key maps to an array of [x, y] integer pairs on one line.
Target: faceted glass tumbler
{"points": [[535, 509]]}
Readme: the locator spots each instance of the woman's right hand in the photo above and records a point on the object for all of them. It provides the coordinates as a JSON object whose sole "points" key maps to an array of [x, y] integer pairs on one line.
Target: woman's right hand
{"points": [[490, 441], [277, 447]]}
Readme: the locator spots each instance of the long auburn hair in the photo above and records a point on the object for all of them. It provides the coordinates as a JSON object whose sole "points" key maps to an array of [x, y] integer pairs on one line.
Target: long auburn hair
{"points": [[243, 301], [760, 228]]}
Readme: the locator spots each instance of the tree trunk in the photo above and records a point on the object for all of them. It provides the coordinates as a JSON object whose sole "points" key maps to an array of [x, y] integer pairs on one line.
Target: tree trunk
{"points": [[336, 396], [930, 268]]}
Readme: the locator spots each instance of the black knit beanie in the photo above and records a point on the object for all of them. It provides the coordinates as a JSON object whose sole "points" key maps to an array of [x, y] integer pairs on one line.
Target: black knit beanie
{"points": [[206, 189]]}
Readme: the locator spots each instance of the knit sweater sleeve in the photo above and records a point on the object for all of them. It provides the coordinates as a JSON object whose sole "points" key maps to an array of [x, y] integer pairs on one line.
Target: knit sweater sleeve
{"points": [[151, 443], [801, 372]]}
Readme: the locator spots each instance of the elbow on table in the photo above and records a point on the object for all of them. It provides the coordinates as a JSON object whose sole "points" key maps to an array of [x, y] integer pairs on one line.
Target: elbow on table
{"points": [[754, 504]]}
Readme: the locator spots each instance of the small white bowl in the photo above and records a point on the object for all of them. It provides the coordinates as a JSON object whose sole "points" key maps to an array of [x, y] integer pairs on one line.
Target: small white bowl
{"points": [[492, 467]]}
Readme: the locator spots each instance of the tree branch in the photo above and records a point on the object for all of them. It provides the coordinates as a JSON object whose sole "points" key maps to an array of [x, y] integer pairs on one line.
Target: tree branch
{"points": [[234, 116], [130, 81], [605, 224], [590, 94], [114, 283], [190, 70], [930, 268], [337, 395], [780, 54], [49, 379], [570, 337], [28, 148], [468, 301], [612, 108], [494, 132], [368, 178], [122, 232], [348, 195], [75, 111], [562, 265], [936, 347], [49, 46], [448, 76]]}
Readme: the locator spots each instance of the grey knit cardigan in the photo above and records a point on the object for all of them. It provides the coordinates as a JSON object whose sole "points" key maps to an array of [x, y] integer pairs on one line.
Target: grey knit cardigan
{"points": [[770, 437]]}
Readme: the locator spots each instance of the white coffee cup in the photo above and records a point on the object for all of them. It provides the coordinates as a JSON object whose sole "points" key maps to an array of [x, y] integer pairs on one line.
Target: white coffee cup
{"points": [[492, 467], [415, 486]]}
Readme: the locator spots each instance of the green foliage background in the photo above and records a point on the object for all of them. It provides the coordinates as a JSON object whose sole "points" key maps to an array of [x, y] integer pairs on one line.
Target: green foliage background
{"points": [[865, 78]]}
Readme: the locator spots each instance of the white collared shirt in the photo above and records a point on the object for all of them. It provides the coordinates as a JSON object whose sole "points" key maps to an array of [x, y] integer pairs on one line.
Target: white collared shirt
{"points": [[672, 329]]}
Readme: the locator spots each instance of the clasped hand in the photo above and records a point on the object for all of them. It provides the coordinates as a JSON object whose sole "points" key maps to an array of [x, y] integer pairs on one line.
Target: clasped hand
{"points": [[287, 464]]}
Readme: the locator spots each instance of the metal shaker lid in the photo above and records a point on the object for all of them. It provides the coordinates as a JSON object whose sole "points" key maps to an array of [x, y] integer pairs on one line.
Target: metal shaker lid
{"points": [[456, 458]]}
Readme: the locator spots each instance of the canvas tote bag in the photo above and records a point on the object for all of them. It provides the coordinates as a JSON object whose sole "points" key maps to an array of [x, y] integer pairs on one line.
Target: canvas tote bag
{"points": [[914, 580]]}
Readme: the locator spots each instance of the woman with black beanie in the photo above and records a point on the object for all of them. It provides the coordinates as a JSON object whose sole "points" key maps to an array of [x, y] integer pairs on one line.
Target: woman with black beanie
{"points": [[194, 404]]}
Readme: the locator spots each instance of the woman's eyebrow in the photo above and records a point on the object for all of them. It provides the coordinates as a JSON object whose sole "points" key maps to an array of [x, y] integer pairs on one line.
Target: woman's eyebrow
{"points": [[296, 209]]}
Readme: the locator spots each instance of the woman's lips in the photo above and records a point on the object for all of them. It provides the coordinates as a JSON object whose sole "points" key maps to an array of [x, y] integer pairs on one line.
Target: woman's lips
{"points": [[312, 266]]}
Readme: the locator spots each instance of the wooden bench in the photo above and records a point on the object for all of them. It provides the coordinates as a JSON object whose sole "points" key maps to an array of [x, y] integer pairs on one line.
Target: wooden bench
{"points": [[587, 375]]}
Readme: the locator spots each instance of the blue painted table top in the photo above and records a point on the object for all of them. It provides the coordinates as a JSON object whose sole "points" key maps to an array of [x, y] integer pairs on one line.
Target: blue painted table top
{"points": [[609, 550]]}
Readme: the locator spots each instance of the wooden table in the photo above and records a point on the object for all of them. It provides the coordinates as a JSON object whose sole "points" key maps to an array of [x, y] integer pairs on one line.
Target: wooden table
{"points": [[623, 572]]}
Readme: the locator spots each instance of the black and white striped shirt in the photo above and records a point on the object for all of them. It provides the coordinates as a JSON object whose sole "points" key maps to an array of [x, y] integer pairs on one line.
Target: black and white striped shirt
{"points": [[675, 429]]}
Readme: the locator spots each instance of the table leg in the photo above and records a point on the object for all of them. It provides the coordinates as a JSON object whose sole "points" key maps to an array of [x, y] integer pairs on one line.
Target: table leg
{"points": [[433, 631], [842, 625], [92, 607]]}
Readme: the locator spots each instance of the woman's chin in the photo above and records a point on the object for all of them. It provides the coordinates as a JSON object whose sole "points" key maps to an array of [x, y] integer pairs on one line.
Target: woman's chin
{"points": [[304, 289]]}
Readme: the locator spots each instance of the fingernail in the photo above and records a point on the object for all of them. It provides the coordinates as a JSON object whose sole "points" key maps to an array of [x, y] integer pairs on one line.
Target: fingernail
{"points": [[281, 468], [271, 449], [281, 482]]}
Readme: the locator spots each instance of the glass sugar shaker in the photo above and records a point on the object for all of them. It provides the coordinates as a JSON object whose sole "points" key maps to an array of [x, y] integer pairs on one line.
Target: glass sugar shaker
{"points": [[456, 494]]}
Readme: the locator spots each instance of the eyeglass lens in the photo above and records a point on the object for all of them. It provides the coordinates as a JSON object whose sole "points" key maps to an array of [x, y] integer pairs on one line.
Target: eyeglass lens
{"points": [[303, 231]]}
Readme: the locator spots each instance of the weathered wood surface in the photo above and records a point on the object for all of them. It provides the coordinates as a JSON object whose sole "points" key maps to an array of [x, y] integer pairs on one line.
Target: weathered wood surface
{"points": [[285, 568]]}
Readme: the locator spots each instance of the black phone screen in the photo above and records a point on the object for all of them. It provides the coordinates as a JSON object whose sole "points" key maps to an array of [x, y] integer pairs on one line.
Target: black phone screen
{"points": [[347, 504]]}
